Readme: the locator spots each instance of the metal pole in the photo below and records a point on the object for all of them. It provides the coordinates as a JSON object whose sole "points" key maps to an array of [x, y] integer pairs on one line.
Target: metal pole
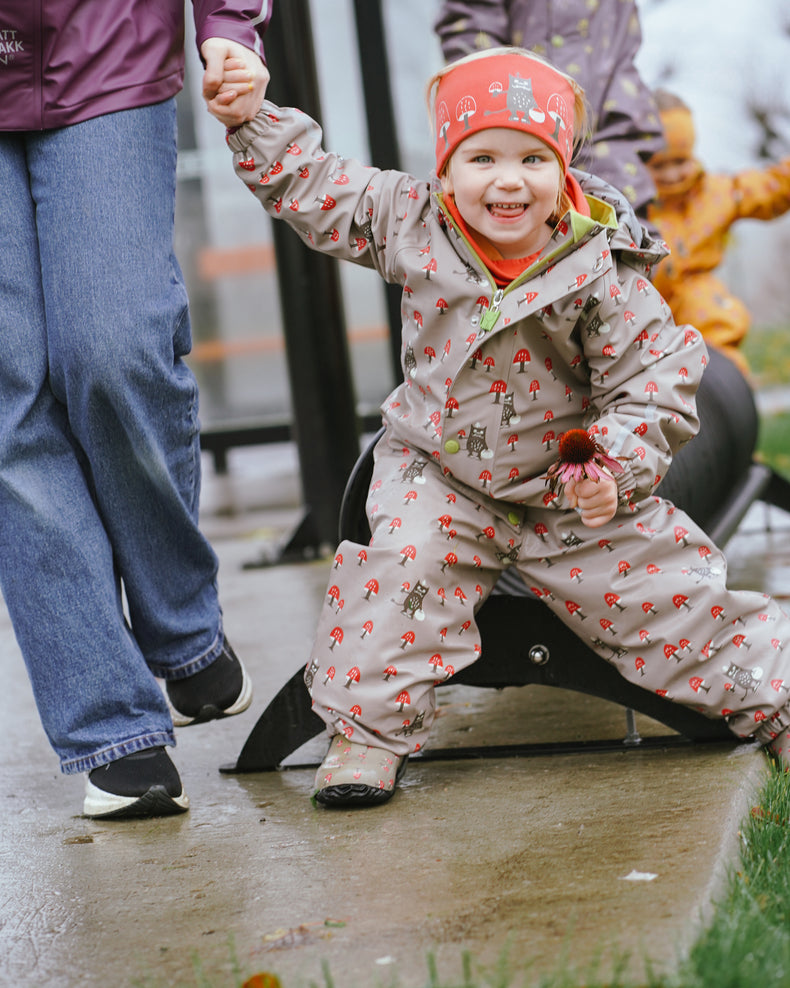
{"points": [[382, 133], [325, 426]]}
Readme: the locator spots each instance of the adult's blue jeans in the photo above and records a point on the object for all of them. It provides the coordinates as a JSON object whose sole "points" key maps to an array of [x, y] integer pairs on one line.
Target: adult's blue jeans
{"points": [[99, 435]]}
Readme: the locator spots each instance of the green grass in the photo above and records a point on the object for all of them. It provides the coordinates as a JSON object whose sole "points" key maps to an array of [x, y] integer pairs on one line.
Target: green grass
{"points": [[748, 940], [773, 444], [767, 349]]}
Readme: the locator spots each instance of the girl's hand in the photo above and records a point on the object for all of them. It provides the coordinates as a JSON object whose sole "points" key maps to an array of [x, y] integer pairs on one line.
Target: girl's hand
{"points": [[596, 500], [234, 82]]}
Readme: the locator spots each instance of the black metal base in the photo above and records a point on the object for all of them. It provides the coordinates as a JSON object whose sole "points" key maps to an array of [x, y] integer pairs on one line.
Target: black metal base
{"points": [[524, 644], [538, 749]]}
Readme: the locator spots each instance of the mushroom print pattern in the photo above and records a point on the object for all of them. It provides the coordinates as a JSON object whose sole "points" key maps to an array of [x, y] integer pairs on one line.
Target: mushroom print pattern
{"points": [[582, 340]]}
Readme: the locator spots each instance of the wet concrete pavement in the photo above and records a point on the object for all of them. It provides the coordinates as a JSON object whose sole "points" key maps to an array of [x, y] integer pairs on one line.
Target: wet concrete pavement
{"points": [[573, 854]]}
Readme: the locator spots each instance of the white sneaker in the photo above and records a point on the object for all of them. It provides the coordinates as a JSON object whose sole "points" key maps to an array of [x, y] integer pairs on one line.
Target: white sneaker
{"points": [[143, 784]]}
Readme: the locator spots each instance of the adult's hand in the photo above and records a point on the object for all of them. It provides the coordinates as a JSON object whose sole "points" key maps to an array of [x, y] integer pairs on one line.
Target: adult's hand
{"points": [[234, 82]]}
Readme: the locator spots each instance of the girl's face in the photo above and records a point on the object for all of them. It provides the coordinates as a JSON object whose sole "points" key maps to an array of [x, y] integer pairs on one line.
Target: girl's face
{"points": [[506, 184]]}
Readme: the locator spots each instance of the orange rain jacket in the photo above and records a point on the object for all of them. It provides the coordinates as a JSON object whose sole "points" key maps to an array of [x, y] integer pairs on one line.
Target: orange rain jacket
{"points": [[695, 225]]}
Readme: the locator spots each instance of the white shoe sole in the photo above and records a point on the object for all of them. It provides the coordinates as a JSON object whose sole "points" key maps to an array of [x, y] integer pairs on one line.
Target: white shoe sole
{"points": [[155, 802]]}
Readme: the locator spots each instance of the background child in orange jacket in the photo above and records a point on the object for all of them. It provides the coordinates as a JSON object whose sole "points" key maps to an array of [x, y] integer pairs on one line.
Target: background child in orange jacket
{"points": [[693, 212]]}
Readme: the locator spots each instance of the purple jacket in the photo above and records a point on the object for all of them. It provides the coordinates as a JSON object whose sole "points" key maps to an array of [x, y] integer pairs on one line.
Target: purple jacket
{"points": [[64, 61]]}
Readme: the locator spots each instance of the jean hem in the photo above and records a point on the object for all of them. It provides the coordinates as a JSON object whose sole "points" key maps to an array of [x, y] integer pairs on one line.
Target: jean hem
{"points": [[192, 666], [158, 739]]}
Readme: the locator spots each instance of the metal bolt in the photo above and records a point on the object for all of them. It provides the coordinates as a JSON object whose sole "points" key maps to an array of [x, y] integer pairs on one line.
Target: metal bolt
{"points": [[632, 737], [539, 655]]}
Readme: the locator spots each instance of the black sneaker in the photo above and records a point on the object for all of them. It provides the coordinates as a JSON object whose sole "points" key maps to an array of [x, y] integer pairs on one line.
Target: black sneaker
{"points": [[143, 784], [220, 690]]}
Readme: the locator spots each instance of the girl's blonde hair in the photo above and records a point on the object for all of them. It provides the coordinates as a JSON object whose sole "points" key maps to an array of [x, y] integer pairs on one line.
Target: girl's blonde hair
{"points": [[581, 111]]}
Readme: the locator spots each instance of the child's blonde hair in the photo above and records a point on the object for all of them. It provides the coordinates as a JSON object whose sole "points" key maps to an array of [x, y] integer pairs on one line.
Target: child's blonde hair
{"points": [[581, 113]]}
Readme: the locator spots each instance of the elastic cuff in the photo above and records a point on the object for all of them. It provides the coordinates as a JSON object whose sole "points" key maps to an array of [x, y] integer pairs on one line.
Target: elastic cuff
{"points": [[773, 727]]}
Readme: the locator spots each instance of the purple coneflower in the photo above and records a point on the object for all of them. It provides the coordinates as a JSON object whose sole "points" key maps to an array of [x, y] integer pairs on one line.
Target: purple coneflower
{"points": [[580, 457]]}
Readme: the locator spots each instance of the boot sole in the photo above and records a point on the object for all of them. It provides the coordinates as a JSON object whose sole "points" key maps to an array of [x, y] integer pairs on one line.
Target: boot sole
{"points": [[353, 795], [358, 794]]}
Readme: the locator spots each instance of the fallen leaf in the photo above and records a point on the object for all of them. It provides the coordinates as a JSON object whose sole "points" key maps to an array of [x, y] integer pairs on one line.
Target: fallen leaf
{"points": [[262, 980]]}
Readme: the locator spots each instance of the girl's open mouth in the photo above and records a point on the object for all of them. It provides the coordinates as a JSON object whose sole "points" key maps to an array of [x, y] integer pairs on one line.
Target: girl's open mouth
{"points": [[506, 210]]}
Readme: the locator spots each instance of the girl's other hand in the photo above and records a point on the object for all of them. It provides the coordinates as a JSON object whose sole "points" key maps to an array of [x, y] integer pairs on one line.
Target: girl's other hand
{"points": [[595, 500]]}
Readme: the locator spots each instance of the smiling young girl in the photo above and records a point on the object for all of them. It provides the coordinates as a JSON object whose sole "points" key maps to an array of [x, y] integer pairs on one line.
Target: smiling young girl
{"points": [[527, 313]]}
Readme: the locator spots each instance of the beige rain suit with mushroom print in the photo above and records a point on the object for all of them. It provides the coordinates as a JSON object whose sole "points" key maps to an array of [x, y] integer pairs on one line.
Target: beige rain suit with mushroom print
{"points": [[491, 378]]}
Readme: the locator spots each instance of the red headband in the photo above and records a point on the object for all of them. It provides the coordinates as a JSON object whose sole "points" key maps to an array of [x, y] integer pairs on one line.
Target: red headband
{"points": [[508, 90]]}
